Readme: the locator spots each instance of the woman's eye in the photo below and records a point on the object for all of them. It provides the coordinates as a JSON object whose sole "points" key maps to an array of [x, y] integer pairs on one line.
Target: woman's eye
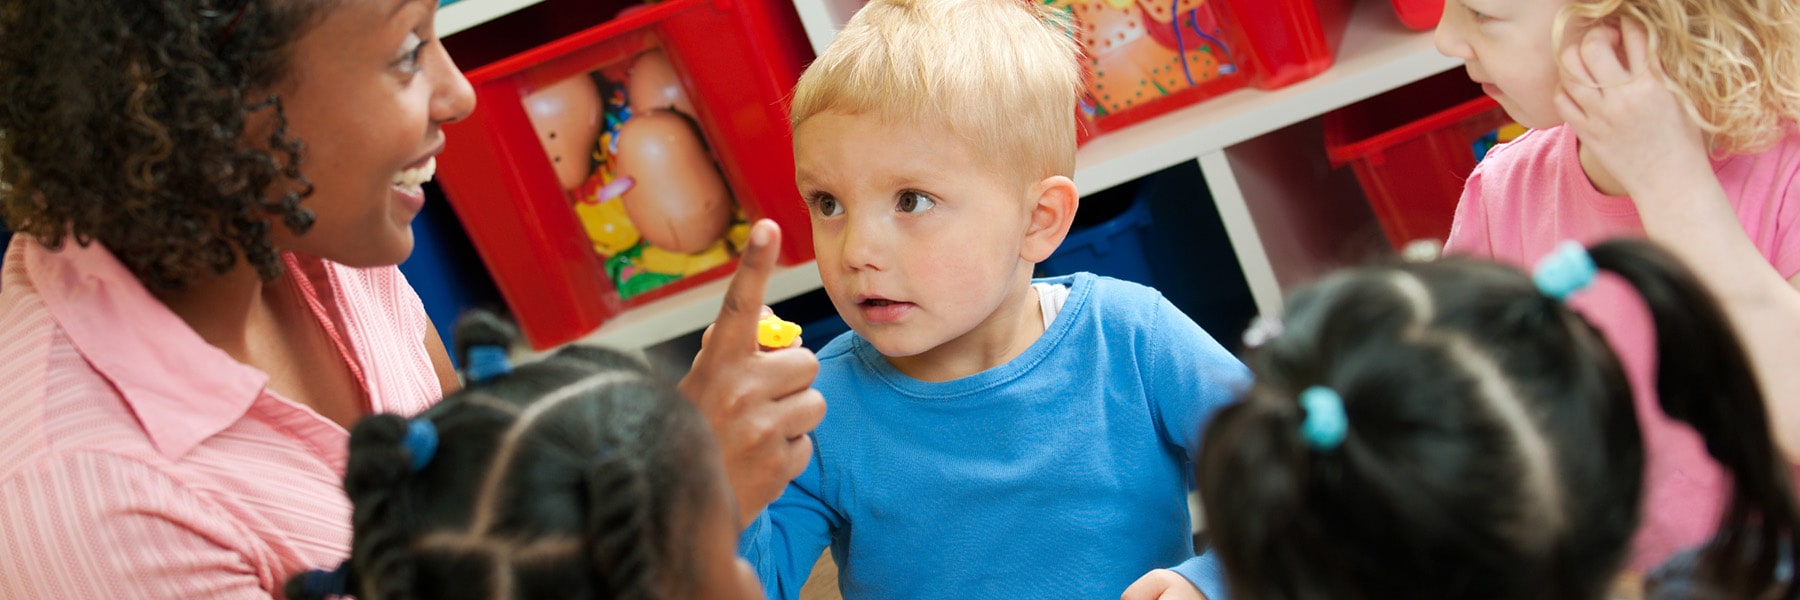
{"points": [[914, 202], [409, 60], [827, 206]]}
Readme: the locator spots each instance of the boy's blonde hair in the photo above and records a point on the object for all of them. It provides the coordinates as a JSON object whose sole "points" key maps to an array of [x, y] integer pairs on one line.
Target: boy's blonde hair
{"points": [[1002, 74], [1735, 62]]}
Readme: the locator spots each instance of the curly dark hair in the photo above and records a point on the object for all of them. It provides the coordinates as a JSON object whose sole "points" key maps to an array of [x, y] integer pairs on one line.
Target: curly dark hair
{"points": [[124, 122]]}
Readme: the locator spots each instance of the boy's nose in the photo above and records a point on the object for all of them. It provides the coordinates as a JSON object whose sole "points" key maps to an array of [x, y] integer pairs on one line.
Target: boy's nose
{"points": [[861, 245]]}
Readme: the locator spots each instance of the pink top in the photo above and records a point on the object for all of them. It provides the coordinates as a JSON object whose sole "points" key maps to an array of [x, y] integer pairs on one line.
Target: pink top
{"points": [[1531, 194], [137, 461]]}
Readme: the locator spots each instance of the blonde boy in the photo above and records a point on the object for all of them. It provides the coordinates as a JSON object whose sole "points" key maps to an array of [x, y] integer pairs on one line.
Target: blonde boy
{"points": [[989, 436]]}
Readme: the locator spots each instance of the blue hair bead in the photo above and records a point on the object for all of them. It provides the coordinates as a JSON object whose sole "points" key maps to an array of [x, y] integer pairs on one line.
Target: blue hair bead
{"points": [[421, 442], [1326, 424], [1566, 270], [486, 362]]}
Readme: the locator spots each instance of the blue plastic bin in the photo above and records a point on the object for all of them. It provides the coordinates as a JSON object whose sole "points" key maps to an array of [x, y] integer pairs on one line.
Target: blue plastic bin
{"points": [[1114, 248]]}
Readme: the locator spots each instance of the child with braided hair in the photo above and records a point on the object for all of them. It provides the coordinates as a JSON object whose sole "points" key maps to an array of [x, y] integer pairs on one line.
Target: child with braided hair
{"points": [[577, 476], [1451, 430]]}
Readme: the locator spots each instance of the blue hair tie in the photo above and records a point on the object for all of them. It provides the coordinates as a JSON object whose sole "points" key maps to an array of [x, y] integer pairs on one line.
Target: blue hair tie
{"points": [[1325, 424], [486, 362], [421, 442], [1565, 271], [320, 584]]}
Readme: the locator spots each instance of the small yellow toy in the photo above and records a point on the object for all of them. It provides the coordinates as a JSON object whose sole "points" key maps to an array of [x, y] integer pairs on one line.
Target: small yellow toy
{"points": [[773, 332]]}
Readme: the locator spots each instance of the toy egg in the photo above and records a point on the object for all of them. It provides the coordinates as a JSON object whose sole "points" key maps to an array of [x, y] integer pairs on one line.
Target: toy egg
{"points": [[566, 117], [653, 85], [773, 332], [678, 200]]}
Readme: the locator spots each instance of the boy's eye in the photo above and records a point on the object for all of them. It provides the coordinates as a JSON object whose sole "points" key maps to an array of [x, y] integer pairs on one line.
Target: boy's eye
{"points": [[1480, 17], [914, 202], [826, 206]]}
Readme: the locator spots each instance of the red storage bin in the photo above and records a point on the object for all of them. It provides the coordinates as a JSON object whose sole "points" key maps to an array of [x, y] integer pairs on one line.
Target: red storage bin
{"points": [[1288, 40], [1419, 14], [1413, 148], [685, 104], [1147, 57]]}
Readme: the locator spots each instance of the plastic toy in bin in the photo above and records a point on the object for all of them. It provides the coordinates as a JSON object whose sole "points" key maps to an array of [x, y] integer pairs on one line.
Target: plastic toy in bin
{"points": [[621, 164], [648, 194], [1146, 56]]}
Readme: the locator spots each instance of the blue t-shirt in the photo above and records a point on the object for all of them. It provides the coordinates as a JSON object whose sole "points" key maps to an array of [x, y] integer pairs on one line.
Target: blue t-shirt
{"points": [[1060, 474]]}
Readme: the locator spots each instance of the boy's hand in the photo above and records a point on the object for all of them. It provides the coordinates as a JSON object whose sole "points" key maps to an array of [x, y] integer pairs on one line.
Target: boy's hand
{"points": [[1162, 584], [1638, 130], [760, 403]]}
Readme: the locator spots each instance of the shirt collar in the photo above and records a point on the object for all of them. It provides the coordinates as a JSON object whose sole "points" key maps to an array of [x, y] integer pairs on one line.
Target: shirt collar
{"points": [[182, 389]]}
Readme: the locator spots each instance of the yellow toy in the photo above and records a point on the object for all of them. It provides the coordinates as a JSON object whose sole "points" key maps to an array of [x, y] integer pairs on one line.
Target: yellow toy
{"points": [[606, 226], [657, 260], [773, 332]]}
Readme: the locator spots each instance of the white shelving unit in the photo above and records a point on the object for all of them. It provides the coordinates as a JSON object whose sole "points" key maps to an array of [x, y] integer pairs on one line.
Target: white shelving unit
{"points": [[1257, 149], [463, 14]]}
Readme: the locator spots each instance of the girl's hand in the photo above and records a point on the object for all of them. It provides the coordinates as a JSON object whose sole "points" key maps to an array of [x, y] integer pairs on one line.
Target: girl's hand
{"points": [[1162, 584], [1629, 122]]}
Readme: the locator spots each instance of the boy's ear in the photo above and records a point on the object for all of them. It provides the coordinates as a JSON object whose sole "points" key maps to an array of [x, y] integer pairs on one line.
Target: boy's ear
{"points": [[1053, 203]]}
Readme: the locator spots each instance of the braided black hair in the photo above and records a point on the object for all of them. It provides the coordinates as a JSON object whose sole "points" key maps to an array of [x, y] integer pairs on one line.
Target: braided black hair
{"points": [[1493, 449], [576, 476]]}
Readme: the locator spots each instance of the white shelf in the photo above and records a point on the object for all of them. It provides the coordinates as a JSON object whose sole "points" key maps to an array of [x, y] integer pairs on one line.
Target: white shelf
{"points": [[464, 14], [1377, 55]]}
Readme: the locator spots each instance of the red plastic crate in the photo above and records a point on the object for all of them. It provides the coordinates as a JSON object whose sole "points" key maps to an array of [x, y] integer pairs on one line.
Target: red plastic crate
{"points": [[735, 60], [1147, 57], [1288, 40], [1419, 14], [1412, 149]]}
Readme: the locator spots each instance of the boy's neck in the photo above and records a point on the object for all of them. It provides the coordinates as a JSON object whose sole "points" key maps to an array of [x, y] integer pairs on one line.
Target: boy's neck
{"points": [[1002, 337]]}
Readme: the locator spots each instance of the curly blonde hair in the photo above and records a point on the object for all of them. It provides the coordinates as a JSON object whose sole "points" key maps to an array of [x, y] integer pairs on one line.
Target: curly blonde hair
{"points": [[1734, 63]]}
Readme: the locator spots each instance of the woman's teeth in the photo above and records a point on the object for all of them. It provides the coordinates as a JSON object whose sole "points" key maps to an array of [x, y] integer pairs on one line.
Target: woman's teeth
{"points": [[411, 179]]}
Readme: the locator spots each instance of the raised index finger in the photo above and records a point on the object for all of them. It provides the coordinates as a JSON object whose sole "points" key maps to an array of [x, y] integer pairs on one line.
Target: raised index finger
{"points": [[735, 329]]}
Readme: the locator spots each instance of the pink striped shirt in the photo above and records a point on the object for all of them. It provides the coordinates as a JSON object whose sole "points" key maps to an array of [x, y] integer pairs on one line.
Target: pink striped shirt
{"points": [[137, 461]]}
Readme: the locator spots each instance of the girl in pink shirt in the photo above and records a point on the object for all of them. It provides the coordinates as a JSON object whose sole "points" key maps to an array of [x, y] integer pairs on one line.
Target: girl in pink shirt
{"points": [[581, 475], [210, 197], [1614, 151]]}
